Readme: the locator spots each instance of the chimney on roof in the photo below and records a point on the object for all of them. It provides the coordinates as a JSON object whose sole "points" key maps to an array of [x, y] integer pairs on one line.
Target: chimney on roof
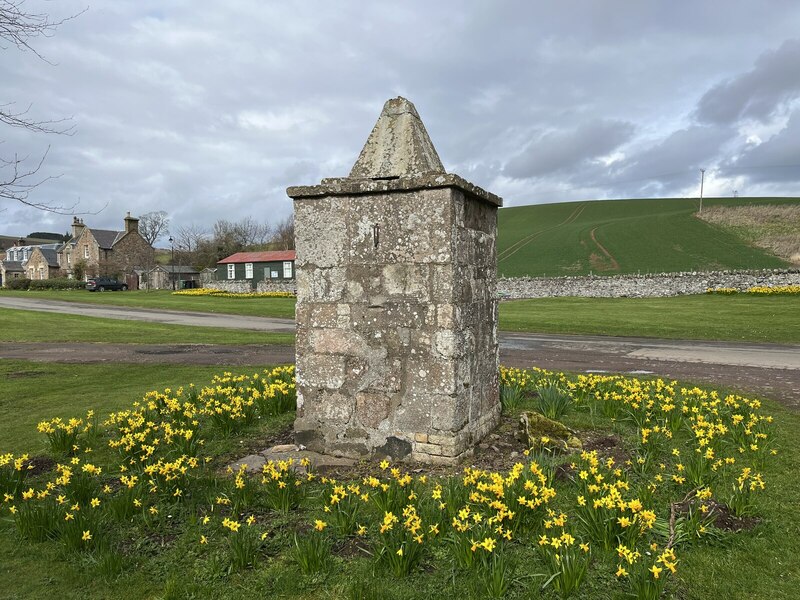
{"points": [[77, 227], [20, 242], [131, 223]]}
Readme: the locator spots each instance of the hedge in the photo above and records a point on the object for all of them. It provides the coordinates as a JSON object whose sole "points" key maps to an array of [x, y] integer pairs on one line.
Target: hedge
{"points": [[56, 284]]}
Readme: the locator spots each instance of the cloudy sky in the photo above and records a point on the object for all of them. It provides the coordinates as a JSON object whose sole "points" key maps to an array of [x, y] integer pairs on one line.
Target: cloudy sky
{"points": [[210, 110]]}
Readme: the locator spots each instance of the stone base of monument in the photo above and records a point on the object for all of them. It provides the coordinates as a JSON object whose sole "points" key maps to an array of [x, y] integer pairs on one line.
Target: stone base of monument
{"points": [[319, 463]]}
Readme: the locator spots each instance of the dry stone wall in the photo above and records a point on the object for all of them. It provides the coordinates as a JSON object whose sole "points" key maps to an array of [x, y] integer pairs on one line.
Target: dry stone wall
{"points": [[642, 286], [235, 286], [241, 286]]}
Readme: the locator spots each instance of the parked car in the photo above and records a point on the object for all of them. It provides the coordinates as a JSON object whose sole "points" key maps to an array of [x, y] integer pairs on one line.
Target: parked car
{"points": [[101, 284]]}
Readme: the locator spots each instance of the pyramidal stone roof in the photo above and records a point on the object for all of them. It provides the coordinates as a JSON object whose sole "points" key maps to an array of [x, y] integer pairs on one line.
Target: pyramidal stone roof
{"points": [[398, 146], [398, 156]]}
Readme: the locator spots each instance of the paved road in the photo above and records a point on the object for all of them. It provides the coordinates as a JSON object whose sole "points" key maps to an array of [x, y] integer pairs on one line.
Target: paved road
{"points": [[768, 369]]}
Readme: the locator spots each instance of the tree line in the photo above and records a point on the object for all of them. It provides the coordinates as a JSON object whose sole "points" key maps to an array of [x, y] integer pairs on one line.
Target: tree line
{"points": [[202, 246]]}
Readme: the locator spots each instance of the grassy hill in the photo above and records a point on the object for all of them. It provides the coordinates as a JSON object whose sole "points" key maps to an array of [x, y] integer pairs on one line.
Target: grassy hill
{"points": [[624, 236]]}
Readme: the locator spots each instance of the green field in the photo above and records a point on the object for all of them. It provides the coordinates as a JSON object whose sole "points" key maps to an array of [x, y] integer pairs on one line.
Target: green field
{"points": [[740, 318], [623, 236]]}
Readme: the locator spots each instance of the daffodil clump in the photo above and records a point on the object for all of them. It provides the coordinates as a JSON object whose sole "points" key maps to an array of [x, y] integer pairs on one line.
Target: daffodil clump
{"points": [[759, 290], [13, 473], [223, 294], [561, 523], [774, 290], [63, 434]]}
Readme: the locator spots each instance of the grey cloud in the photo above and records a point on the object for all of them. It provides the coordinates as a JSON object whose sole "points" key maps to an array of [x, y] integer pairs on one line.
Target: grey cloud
{"points": [[775, 160], [658, 168], [557, 150], [758, 93]]}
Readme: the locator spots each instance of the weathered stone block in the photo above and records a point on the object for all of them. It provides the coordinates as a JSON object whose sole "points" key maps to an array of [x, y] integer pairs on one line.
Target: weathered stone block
{"points": [[372, 408], [420, 447], [320, 371]]}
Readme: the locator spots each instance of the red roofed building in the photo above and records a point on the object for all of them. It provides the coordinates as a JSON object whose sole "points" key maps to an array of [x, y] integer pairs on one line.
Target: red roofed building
{"points": [[275, 266]]}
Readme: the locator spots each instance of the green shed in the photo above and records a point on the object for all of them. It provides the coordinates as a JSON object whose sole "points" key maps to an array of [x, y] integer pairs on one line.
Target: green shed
{"points": [[275, 266]]}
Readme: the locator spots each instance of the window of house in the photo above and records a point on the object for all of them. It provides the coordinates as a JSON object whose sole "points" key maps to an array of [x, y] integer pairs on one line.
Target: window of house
{"points": [[248, 270], [41, 272], [274, 275], [231, 271], [86, 251], [69, 258], [287, 269]]}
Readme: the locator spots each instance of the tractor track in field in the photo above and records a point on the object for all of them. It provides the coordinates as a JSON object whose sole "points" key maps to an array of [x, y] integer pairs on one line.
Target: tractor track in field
{"points": [[614, 264], [519, 245]]}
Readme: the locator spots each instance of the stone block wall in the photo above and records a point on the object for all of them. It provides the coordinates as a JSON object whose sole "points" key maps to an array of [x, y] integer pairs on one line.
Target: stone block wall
{"points": [[242, 286], [235, 286], [643, 286], [272, 286], [397, 323]]}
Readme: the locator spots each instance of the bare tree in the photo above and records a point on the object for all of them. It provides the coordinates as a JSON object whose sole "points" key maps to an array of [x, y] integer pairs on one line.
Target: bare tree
{"points": [[189, 240], [230, 237], [19, 176], [153, 225], [283, 236]]}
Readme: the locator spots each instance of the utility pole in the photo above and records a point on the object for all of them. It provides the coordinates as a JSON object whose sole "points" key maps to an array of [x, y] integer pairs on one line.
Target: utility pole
{"points": [[172, 243], [702, 177]]}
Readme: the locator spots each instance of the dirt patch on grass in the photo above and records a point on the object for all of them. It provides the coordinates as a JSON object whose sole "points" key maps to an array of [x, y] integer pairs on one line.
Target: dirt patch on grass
{"points": [[350, 548], [772, 227], [727, 521], [39, 464], [24, 374], [607, 446], [723, 517]]}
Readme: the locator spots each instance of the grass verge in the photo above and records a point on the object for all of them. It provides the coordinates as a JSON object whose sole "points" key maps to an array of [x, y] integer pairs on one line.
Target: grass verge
{"points": [[704, 317], [33, 326], [163, 299]]}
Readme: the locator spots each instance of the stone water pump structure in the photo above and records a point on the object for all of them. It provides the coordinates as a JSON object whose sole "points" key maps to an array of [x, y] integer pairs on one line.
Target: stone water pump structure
{"points": [[396, 342]]}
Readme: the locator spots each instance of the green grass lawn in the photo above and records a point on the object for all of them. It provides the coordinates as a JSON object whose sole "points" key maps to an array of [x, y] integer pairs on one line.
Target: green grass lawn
{"points": [[33, 326], [702, 317], [623, 236], [164, 299], [705, 317], [162, 557], [31, 392]]}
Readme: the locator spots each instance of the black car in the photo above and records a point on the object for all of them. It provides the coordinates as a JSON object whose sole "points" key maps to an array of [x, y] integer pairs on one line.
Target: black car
{"points": [[101, 284]]}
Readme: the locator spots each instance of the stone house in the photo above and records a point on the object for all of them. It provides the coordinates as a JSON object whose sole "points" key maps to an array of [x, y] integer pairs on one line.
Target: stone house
{"points": [[90, 252], [10, 269], [275, 266], [34, 261], [104, 251], [43, 262]]}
